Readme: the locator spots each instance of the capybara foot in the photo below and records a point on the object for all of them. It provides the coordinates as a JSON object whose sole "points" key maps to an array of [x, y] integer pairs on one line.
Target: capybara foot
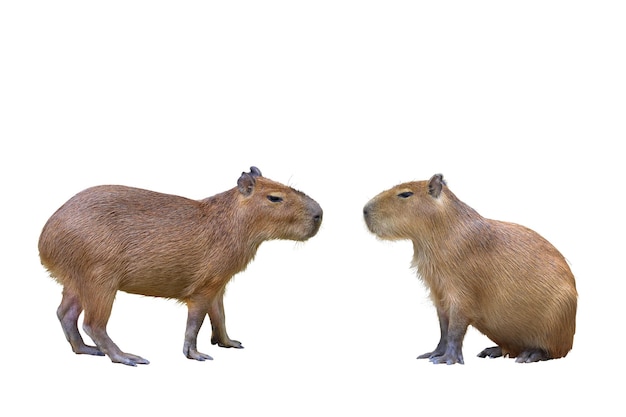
{"points": [[430, 355], [194, 354], [532, 355], [492, 352], [128, 359], [228, 343], [88, 350], [439, 356], [448, 359]]}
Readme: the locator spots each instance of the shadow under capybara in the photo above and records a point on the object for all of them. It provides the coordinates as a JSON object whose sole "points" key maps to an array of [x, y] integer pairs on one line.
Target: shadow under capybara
{"points": [[109, 238], [502, 278]]}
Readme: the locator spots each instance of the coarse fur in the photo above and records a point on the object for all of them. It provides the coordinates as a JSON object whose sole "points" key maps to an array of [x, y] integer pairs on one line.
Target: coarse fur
{"points": [[502, 278], [115, 238]]}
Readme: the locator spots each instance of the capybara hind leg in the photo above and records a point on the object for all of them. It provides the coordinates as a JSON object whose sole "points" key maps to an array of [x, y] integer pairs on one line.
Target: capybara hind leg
{"points": [[492, 352], [532, 355], [97, 313], [197, 311], [218, 324], [68, 312]]}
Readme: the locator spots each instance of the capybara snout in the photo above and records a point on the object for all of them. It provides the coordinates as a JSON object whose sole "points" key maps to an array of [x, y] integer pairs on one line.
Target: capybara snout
{"points": [[112, 237], [393, 214]]}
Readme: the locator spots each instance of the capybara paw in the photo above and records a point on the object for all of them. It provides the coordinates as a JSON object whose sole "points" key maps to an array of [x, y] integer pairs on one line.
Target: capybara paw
{"points": [[448, 359], [430, 355], [194, 354], [229, 343], [88, 350], [532, 355], [128, 359], [492, 352]]}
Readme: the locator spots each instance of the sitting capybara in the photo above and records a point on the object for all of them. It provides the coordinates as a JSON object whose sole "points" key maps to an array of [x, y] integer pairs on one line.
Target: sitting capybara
{"points": [[502, 278], [114, 238]]}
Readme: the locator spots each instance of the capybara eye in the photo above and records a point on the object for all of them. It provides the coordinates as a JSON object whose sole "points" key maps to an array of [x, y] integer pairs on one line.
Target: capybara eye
{"points": [[405, 194], [274, 198]]}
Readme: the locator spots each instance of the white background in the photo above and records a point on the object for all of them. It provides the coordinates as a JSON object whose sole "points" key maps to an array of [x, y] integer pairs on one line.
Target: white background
{"points": [[521, 107]]}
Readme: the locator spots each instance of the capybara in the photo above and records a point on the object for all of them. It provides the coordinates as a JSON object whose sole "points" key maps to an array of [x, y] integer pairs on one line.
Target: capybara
{"points": [[502, 278], [114, 238]]}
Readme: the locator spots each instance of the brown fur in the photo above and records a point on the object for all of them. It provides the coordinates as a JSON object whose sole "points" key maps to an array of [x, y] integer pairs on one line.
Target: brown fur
{"points": [[502, 278], [112, 237]]}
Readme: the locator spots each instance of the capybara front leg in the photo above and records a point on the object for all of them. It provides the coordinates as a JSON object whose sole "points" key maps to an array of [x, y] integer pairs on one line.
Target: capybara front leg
{"points": [[457, 327], [97, 313], [443, 340], [68, 312], [197, 311], [218, 324]]}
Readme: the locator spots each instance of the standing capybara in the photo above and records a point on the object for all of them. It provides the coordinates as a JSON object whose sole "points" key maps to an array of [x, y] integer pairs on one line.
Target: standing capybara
{"points": [[502, 278], [114, 238]]}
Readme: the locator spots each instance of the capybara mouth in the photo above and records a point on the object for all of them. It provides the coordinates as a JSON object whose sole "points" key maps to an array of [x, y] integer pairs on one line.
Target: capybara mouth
{"points": [[374, 230]]}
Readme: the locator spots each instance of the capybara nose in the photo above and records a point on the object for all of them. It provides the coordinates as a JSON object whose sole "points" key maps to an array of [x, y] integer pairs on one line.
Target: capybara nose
{"points": [[317, 217], [366, 210], [316, 211]]}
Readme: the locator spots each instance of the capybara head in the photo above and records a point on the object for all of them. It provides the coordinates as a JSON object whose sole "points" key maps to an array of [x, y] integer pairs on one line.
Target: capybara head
{"points": [[280, 211], [400, 212]]}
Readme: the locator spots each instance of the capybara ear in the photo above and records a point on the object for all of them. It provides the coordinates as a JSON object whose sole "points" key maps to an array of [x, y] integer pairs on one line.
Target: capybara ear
{"points": [[435, 185], [255, 172], [245, 183]]}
